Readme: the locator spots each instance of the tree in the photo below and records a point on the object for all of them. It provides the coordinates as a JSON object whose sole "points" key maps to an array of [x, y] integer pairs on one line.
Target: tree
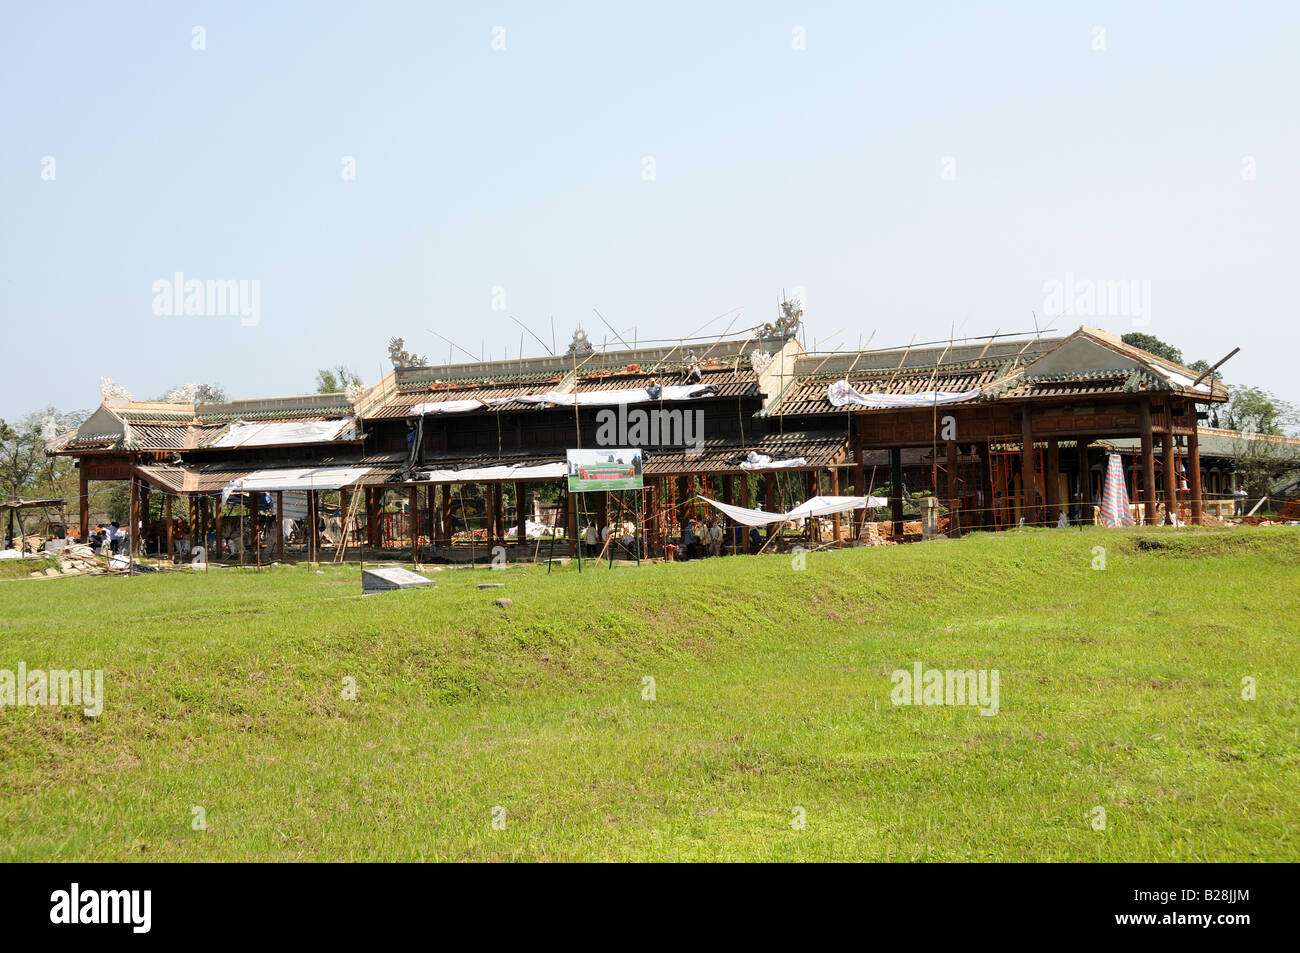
{"points": [[1252, 410], [1153, 345], [336, 380], [26, 471]]}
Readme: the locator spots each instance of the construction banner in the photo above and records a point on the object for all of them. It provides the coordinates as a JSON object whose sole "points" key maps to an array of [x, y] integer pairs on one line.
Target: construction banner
{"points": [[604, 469]]}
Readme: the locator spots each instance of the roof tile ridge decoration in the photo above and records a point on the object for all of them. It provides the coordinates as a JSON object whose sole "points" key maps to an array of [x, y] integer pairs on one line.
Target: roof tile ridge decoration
{"points": [[1139, 377], [1010, 374]]}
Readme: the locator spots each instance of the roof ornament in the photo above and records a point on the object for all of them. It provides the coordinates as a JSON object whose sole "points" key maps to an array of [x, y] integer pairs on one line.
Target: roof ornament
{"points": [[401, 357], [110, 390], [759, 360], [580, 343], [787, 324], [355, 391]]}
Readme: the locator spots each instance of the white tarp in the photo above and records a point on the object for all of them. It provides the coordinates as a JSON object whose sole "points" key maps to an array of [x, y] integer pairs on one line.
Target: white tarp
{"points": [[827, 505], [493, 472], [817, 506], [244, 434], [595, 398], [609, 398], [296, 478], [449, 406], [842, 393], [761, 461]]}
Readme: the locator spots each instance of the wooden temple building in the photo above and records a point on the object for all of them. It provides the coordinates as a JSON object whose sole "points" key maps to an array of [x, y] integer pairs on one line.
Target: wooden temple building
{"points": [[447, 461]]}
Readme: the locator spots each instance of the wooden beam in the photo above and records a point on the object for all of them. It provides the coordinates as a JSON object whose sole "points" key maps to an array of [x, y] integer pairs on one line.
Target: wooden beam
{"points": [[1148, 461]]}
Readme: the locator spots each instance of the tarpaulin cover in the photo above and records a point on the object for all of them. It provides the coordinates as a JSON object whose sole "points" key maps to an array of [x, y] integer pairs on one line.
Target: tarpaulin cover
{"points": [[816, 506], [842, 393], [1114, 496], [244, 434], [493, 472], [761, 461], [595, 398], [296, 478]]}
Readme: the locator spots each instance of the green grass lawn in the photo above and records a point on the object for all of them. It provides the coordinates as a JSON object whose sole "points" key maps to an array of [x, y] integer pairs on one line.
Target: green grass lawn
{"points": [[1119, 688]]}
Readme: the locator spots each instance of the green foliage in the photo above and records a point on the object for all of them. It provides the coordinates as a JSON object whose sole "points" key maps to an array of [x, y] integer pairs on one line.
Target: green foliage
{"points": [[335, 380], [1153, 345]]}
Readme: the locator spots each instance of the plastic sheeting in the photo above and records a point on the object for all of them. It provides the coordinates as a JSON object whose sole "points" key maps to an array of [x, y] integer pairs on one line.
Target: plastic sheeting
{"points": [[493, 473], [1114, 496], [244, 434], [761, 461], [814, 507], [841, 393], [295, 478], [595, 398]]}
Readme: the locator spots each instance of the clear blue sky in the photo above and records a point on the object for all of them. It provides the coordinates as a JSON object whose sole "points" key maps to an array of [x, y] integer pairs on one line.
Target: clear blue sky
{"points": [[775, 168]]}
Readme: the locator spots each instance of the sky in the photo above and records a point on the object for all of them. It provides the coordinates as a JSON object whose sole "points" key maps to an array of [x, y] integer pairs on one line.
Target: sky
{"points": [[371, 170]]}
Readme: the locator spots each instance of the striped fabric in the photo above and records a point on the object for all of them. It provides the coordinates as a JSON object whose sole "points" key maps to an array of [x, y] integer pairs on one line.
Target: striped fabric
{"points": [[1114, 496]]}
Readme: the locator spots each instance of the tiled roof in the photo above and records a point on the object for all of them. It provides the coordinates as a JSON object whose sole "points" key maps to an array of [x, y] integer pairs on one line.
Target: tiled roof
{"points": [[399, 403], [819, 449], [728, 382], [807, 395]]}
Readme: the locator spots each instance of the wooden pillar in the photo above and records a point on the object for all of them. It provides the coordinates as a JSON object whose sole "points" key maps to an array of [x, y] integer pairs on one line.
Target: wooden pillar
{"points": [[769, 492], [835, 518], [1029, 508], [499, 493], [167, 518], [251, 509], [744, 502], [1194, 475], [952, 459], [446, 513], [859, 486], [988, 519], [85, 502], [571, 504], [896, 491], [217, 507], [414, 507], [1148, 462], [1052, 479], [1084, 467], [431, 511], [279, 524], [1171, 475], [521, 516]]}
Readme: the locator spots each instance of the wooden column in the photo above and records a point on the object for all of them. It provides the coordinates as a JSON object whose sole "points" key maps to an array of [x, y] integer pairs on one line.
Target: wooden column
{"points": [[251, 509], [896, 491], [1171, 475], [414, 507], [431, 509], [1085, 481], [85, 502], [571, 504], [279, 524], [744, 502], [952, 458], [216, 525], [835, 518], [769, 492], [1029, 506], [167, 518], [1194, 475], [521, 516], [134, 539], [987, 519], [1148, 462], [446, 513], [1052, 479], [859, 486]]}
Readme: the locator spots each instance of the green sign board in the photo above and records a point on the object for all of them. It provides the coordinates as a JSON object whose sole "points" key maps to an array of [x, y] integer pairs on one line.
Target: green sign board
{"points": [[604, 469]]}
